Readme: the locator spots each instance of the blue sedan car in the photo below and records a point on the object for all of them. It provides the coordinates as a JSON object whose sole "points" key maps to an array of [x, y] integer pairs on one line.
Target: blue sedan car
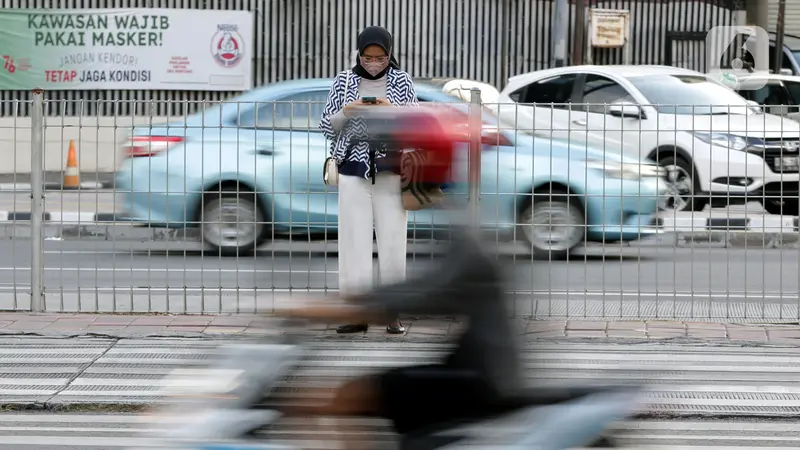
{"points": [[250, 170]]}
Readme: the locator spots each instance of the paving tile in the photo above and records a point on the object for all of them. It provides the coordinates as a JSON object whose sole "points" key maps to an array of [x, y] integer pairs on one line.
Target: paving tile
{"points": [[111, 320], [544, 334], [783, 334], [665, 333], [110, 329], [626, 325], [152, 321], [191, 321], [224, 330], [145, 329], [626, 334], [27, 326], [658, 324], [543, 325], [65, 327], [586, 333], [186, 328], [231, 321], [707, 333], [589, 325], [751, 334]]}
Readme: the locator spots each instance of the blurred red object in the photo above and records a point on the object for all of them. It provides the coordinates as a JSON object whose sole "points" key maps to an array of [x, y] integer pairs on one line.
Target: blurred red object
{"points": [[431, 129]]}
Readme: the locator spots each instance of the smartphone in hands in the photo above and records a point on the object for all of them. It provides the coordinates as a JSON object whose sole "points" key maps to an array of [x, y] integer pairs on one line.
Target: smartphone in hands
{"points": [[369, 100]]}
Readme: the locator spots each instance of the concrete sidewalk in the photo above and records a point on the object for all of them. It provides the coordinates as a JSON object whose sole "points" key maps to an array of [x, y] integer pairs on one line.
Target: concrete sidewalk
{"points": [[142, 326]]}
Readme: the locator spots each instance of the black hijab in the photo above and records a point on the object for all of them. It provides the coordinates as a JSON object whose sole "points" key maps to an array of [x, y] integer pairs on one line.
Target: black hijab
{"points": [[375, 36]]}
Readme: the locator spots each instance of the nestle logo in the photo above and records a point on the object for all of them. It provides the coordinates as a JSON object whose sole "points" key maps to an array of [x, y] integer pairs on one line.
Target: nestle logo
{"points": [[735, 54], [229, 28]]}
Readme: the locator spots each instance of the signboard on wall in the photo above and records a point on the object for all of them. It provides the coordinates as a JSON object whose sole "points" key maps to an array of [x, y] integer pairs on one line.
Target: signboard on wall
{"points": [[608, 28], [130, 49]]}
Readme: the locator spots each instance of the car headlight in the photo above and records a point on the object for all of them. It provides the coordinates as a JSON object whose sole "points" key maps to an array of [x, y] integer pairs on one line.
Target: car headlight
{"points": [[722, 140], [626, 171]]}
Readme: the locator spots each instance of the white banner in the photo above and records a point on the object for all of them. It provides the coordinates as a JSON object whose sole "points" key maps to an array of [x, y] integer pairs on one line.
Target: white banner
{"points": [[127, 49]]}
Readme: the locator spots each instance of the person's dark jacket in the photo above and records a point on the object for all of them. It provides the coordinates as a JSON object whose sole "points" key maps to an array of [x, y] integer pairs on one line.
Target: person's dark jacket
{"points": [[468, 282]]}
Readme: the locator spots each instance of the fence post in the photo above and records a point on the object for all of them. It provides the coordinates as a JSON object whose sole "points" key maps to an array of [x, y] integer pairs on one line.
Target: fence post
{"points": [[37, 199], [475, 144]]}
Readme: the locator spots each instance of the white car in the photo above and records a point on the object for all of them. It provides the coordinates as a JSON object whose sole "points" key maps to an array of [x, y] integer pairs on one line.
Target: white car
{"points": [[778, 94], [718, 147], [462, 88]]}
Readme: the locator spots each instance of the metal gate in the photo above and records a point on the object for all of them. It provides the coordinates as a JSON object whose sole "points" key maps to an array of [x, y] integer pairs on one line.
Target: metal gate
{"points": [[686, 49]]}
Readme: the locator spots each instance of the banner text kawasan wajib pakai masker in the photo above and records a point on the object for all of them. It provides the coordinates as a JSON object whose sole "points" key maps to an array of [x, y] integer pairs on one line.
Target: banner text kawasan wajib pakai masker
{"points": [[126, 49]]}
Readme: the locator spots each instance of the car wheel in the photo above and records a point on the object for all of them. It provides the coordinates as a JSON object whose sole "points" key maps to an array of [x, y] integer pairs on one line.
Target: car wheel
{"points": [[680, 185], [553, 225], [788, 207], [232, 221]]}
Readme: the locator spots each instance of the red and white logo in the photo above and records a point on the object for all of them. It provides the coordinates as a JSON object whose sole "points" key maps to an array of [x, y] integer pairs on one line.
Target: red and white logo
{"points": [[227, 46]]}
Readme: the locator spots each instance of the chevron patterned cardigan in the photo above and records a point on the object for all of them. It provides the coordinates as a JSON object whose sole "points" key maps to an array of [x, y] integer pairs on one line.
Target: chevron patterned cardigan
{"points": [[399, 91]]}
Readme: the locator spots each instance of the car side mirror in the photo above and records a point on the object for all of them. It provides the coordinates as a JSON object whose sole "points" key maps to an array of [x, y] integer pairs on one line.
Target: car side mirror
{"points": [[626, 109], [755, 105]]}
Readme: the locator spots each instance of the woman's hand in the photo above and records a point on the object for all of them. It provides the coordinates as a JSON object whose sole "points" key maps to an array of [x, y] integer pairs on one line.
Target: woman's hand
{"points": [[350, 109], [383, 102]]}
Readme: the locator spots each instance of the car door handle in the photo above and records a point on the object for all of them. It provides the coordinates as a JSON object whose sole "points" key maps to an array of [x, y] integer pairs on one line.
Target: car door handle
{"points": [[580, 122]]}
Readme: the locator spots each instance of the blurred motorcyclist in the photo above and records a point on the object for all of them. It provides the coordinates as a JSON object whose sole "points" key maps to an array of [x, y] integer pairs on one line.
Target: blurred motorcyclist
{"points": [[482, 370]]}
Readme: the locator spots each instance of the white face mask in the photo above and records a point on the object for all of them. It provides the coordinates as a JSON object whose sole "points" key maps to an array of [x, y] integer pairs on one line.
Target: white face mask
{"points": [[374, 67]]}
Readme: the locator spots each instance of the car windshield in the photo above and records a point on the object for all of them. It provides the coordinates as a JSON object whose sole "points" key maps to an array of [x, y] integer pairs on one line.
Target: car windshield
{"points": [[690, 94], [796, 56]]}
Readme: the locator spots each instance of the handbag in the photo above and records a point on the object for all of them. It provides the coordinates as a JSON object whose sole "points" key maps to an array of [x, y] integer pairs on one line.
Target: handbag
{"points": [[330, 169], [416, 194]]}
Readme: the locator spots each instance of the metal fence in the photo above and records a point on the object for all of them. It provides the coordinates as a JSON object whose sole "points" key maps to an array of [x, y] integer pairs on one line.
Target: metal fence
{"points": [[550, 175]]}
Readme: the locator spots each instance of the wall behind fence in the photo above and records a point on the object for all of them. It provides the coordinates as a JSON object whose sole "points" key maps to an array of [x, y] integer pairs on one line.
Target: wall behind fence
{"points": [[434, 38]]}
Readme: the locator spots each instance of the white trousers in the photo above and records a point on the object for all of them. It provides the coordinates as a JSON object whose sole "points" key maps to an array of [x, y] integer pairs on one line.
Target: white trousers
{"points": [[362, 204]]}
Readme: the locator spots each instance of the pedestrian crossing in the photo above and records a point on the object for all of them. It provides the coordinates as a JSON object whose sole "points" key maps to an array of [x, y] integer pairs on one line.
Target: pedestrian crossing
{"points": [[679, 379], [36, 431]]}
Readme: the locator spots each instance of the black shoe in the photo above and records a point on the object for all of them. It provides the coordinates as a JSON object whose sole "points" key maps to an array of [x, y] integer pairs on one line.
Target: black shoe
{"points": [[396, 329], [354, 328]]}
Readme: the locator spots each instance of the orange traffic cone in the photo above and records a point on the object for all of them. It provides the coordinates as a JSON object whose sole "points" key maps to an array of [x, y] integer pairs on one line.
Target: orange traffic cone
{"points": [[72, 179]]}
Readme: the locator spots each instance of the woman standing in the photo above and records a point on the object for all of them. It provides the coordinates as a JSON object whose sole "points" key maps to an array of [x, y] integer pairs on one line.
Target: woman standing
{"points": [[369, 181]]}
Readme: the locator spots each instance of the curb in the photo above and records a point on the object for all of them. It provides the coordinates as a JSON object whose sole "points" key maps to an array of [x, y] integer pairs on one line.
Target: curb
{"points": [[56, 186], [767, 224]]}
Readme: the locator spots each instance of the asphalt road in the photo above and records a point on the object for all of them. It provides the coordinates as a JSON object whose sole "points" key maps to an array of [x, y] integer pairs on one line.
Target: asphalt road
{"points": [[663, 278], [94, 431], [702, 271], [107, 201]]}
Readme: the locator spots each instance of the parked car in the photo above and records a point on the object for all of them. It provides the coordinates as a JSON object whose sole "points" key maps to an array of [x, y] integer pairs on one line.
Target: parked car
{"points": [[462, 88], [791, 54], [718, 148], [250, 169], [777, 94]]}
